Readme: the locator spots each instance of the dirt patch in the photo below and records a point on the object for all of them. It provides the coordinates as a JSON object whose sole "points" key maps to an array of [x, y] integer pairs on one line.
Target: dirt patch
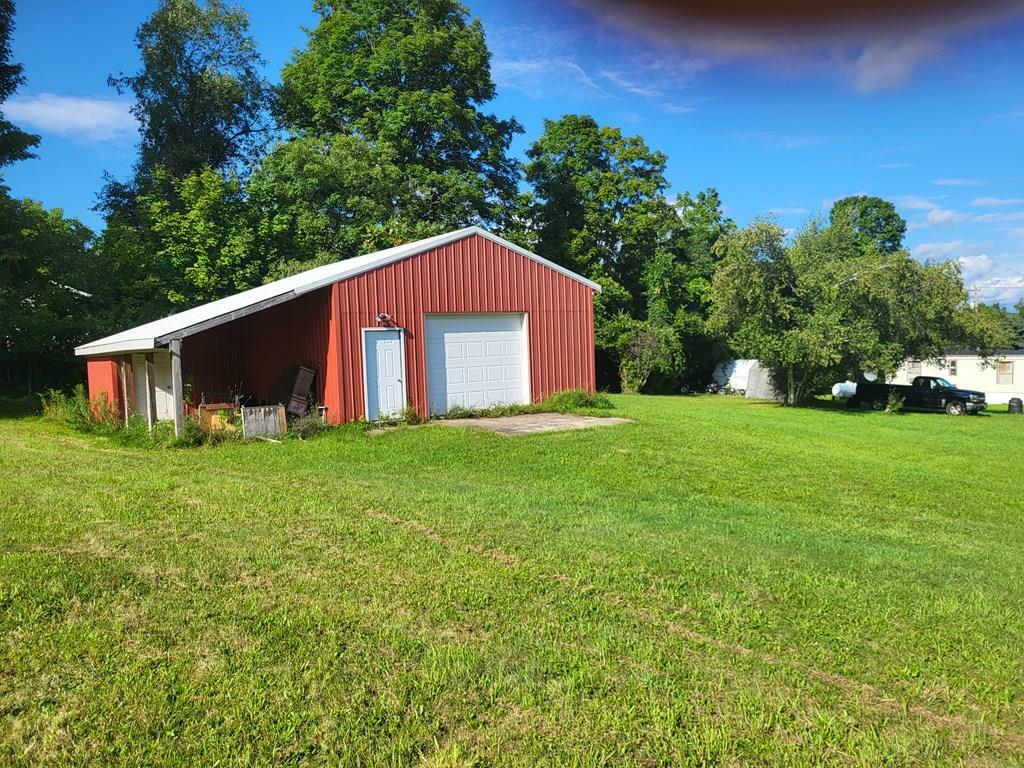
{"points": [[532, 423]]}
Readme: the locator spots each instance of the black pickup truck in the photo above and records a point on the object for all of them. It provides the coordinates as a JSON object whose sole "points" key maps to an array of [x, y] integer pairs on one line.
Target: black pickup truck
{"points": [[926, 393]]}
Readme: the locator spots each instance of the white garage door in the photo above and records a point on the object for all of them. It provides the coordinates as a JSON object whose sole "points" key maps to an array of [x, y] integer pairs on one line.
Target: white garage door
{"points": [[475, 361]]}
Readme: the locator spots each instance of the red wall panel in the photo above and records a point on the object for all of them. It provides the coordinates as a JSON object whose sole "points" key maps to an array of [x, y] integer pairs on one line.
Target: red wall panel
{"points": [[259, 354], [470, 275], [103, 380]]}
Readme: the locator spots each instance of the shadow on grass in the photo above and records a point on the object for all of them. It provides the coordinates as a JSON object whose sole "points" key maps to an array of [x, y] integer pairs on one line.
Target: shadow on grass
{"points": [[18, 405]]}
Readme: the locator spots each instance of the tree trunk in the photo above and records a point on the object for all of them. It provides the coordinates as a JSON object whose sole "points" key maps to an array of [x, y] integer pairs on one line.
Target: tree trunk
{"points": [[790, 386]]}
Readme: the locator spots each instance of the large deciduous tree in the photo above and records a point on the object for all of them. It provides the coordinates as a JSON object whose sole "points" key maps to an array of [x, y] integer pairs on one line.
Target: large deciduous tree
{"points": [[394, 92], [677, 281], [181, 231], [14, 144], [323, 199], [1010, 319], [45, 268], [833, 305], [597, 206], [597, 202], [874, 221], [46, 282], [200, 97]]}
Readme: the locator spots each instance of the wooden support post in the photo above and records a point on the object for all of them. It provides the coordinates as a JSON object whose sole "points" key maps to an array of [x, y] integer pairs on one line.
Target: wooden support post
{"points": [[125, 367], [176, 387], [150, 391]]}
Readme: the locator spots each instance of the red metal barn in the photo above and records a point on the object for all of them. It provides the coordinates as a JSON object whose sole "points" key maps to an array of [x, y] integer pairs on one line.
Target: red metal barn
{"points": [[464, 318]]}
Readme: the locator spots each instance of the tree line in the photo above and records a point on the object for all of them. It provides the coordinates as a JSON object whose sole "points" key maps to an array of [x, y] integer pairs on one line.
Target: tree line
{"points": [[379, 133]]}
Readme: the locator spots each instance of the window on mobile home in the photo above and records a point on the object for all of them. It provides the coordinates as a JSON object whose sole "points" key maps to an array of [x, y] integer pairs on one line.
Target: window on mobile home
{"points": [[1004, 373]]}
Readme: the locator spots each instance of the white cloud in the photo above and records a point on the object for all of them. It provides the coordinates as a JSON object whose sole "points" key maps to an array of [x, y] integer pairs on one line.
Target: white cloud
{"points": [[678, 109], [630, 86], [974, 268], [780, 140], [943, 216], [893, 166], [1005, 289], [542, 77], [917, 203], [83, 119], [958, 182], [937, 251], [789, 211], [940, 217], [996, 202], [886, 65], [999, 218]]}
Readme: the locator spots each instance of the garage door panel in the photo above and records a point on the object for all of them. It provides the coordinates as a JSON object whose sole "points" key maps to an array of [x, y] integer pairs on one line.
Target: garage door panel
{"points": [[475, 360]]}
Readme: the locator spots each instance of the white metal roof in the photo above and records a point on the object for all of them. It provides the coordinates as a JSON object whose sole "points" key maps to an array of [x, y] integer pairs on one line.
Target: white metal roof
{"points": [[146, 336]]}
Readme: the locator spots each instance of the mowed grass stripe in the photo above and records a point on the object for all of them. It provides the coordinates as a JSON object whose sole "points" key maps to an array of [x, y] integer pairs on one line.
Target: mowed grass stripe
{"points": [[547, 619]]}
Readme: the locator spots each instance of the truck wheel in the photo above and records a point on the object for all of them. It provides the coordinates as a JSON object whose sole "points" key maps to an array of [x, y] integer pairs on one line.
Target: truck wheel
{"points": [[955, 408], [878, 405]]}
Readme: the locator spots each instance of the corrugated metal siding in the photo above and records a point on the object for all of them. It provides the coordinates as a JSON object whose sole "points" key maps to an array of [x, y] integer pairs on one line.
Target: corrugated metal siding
{"points": [[255, 354], [324, 329], [470, 275]]}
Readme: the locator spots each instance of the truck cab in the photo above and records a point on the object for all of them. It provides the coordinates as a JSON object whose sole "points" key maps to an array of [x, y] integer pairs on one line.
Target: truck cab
{"points": [[939, 394]]}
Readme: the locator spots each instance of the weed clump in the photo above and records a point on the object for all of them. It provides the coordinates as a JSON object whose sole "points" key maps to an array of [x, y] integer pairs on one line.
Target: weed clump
{"points": [[567, 401]]}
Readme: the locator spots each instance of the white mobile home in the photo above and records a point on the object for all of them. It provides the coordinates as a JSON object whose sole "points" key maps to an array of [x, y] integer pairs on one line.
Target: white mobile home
{"points": [[1001, 378]]}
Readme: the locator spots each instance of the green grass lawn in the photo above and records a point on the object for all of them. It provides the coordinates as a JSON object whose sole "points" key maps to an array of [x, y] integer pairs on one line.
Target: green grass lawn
{"points": [[718, 583]]}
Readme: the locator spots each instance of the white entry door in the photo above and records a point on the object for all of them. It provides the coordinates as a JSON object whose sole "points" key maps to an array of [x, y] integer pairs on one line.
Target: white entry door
{"points": [[384, 365], [476, 361]]}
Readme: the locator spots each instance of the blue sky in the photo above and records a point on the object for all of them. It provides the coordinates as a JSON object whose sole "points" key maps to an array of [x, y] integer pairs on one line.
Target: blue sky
{"points": [[928, 112]]}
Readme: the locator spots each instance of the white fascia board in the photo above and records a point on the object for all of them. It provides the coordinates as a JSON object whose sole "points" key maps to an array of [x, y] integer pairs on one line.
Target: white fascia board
{"points": [[115, 347]]}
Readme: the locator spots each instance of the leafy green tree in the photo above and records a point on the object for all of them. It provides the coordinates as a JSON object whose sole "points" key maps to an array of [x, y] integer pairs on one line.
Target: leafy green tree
{"points": [[14, 144], [181, 231], [200, 98], [643, 348], [1010, 319], [597, 206], [182, 242], [678, 280], [410, 79], [206, 235], [322, 199], [875, 221], [832, 306], [46, 279], [597, 202]]}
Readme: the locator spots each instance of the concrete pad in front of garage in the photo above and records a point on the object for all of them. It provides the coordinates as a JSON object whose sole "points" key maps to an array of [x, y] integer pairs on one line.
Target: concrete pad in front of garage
{"points": [[531, 423]]}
